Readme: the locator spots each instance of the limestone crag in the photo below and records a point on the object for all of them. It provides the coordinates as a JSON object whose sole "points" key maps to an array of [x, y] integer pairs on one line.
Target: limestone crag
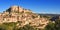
{"points": [[26, 16]]}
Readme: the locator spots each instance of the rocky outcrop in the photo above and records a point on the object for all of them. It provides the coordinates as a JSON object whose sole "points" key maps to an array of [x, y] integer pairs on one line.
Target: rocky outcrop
{"points": [[25, 16]]}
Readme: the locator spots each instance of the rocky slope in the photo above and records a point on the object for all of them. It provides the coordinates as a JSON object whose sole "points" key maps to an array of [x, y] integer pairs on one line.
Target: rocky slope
{"points": [[24, 16]]}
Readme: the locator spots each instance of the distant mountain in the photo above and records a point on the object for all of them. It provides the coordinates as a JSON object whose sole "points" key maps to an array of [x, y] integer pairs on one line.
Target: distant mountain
{"points": [[53, 17], [50, 14]]}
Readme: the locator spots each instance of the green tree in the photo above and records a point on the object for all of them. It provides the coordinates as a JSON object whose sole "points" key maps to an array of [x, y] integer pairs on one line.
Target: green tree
{"points": [[57, 25], [50, 26]]}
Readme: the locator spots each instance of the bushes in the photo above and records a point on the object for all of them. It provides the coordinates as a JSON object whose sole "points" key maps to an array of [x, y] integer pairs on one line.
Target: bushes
{"points": [[26, 27], [53, 26], [57, 24], [7, 26], [50, 26], [12, 26]]}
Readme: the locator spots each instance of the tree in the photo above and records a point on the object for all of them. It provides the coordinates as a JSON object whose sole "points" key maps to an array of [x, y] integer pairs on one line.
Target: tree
{"points": [[50, 26]]}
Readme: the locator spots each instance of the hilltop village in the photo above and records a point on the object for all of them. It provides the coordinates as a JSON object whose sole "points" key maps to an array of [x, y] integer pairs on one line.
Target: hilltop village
{"points": [[25, 16]]}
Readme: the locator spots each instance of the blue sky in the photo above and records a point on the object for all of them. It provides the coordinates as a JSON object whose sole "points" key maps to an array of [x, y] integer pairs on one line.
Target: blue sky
{"points": [[38, 6]]}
